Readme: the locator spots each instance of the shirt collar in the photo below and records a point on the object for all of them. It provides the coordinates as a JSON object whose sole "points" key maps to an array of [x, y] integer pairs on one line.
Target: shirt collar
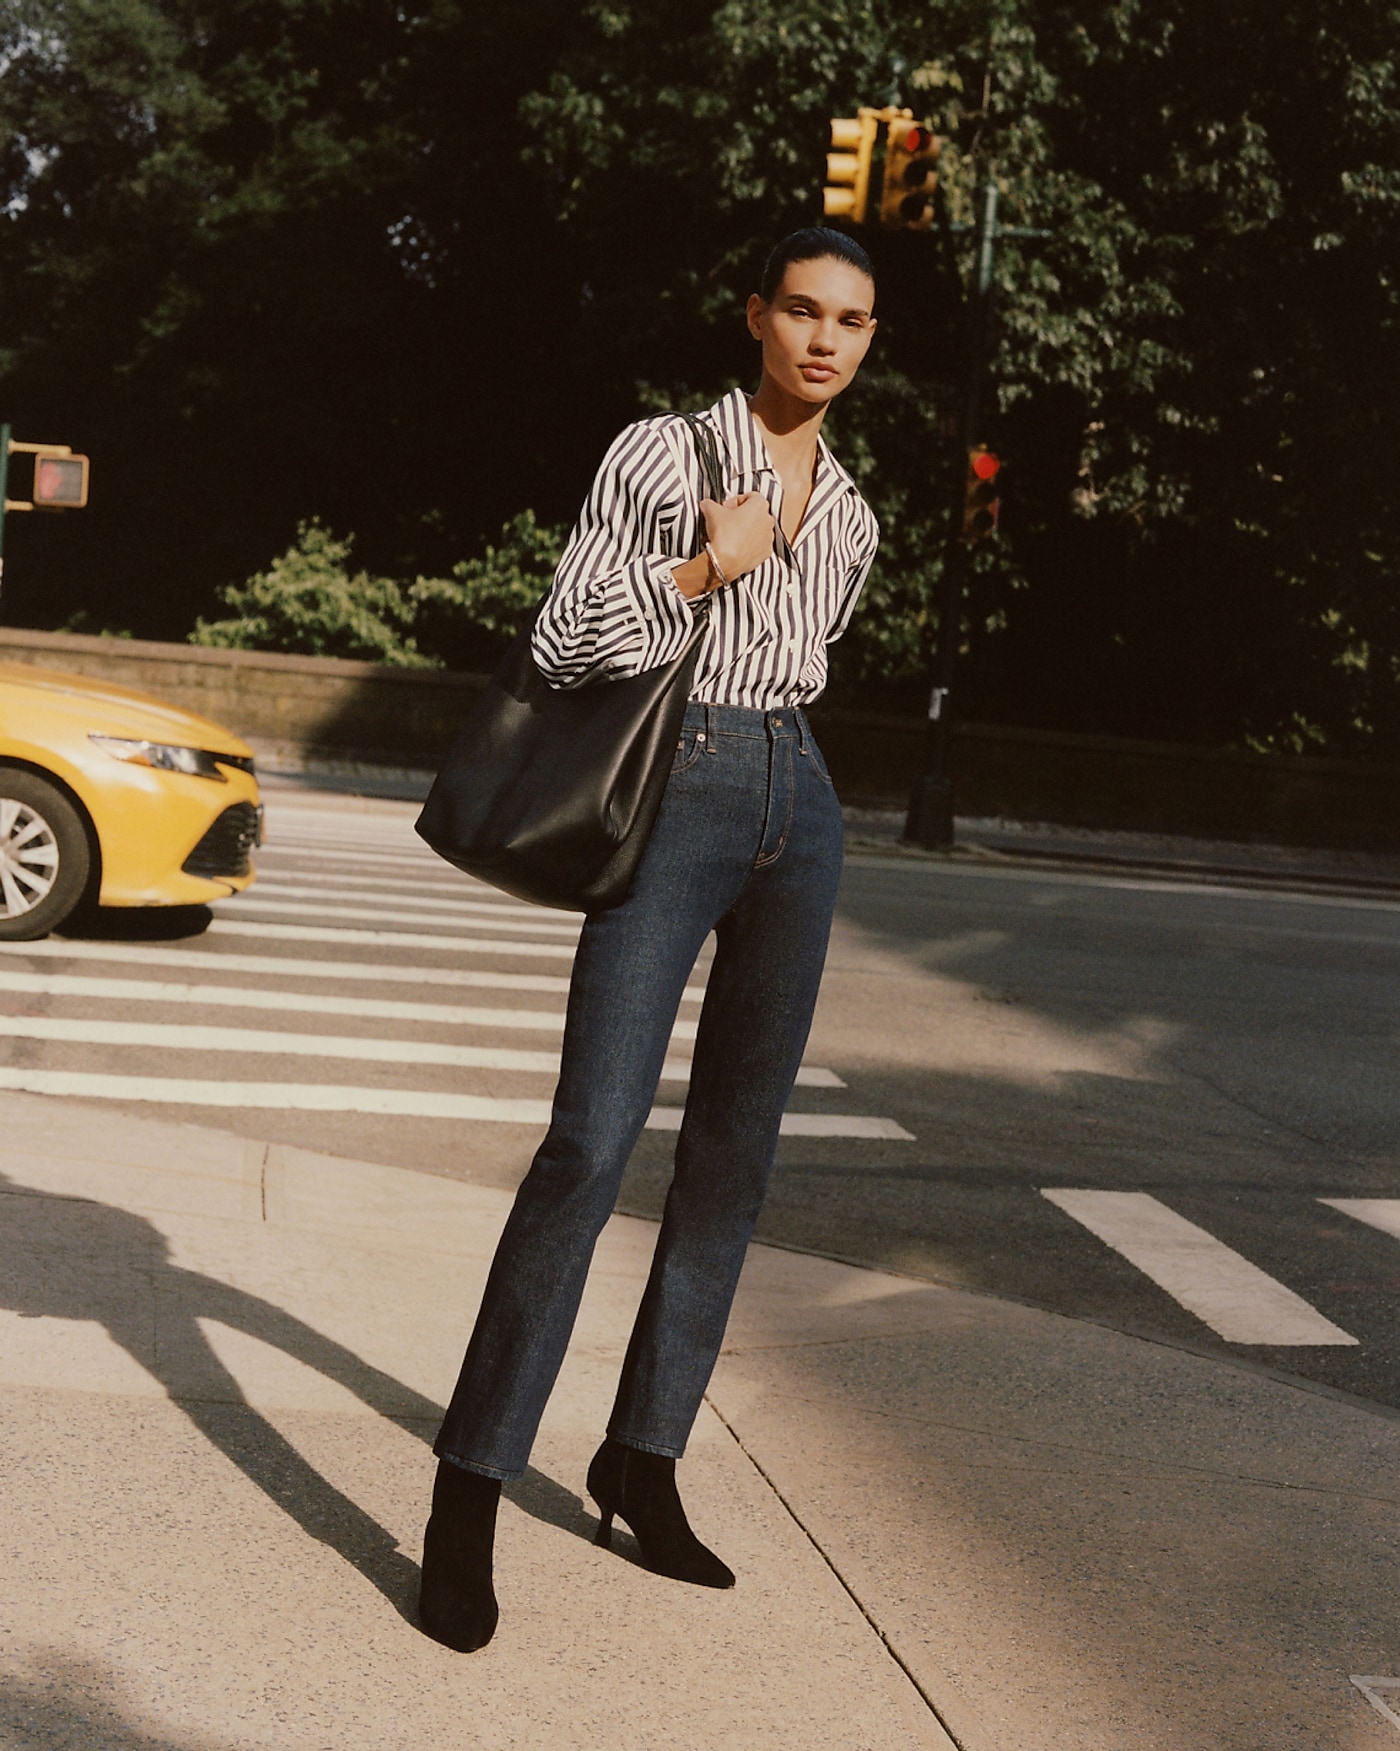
{"points": [[742, 440], [747, 451]]}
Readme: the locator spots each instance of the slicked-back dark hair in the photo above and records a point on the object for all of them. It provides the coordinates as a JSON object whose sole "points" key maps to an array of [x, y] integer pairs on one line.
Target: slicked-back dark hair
{"points": [[812, 243]]}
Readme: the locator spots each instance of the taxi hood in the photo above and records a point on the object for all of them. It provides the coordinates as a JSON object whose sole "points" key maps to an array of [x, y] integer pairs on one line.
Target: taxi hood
{"points": [[149, 718]]}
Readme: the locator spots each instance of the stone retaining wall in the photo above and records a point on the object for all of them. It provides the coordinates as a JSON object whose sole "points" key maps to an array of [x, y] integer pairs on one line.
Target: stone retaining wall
{"points": [[299, 711]]}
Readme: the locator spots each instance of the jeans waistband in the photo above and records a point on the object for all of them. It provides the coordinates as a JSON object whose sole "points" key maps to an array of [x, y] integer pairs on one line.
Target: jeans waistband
{"points": [[746, 720]]}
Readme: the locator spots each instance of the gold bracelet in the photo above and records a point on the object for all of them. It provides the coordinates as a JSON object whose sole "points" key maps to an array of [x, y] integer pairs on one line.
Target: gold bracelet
{"points": [[717, 567]]}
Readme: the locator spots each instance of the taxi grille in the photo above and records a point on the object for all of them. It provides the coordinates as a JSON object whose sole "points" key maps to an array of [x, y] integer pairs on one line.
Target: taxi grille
{"points": [[224, 849]]}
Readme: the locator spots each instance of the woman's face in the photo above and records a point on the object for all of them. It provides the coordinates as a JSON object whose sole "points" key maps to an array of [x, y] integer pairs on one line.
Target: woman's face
{"points": [[817, 328]]}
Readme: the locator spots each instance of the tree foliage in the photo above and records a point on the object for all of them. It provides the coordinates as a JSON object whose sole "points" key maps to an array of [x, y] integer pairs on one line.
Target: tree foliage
{"points": [[310, 603], [406, 269]]}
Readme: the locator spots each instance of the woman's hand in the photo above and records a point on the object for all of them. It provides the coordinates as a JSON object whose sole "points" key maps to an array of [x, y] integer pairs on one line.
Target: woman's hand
{"points": [[741, 533]]}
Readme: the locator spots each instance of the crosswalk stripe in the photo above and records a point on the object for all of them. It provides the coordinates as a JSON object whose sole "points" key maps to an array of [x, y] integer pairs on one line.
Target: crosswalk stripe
{"points": [[477, 945], [1238, 1301], [391, 859], [807, 1125], [190, 1037], [400, 1102], [1382, 1213], [283, 967], [184, 1036], [343, 837], [75, 985], [252, 901], [317, 881], [324, 888]]}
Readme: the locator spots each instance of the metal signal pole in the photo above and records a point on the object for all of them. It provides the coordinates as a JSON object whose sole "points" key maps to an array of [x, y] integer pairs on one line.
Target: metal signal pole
{"points": [[930, 818]]}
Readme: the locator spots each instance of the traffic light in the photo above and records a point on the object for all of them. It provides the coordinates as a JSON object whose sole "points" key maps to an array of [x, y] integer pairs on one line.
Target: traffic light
{"points": [[911, 175], [981, 500], [847, 191], [60, 482]]}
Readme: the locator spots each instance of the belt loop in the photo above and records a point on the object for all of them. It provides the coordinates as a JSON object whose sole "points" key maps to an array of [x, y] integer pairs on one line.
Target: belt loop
{"points": [[711, 734], [800, 719]]}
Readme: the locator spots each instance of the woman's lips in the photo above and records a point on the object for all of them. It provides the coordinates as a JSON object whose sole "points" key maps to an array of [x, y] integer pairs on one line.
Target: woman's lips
{"points": [[817, 373]]}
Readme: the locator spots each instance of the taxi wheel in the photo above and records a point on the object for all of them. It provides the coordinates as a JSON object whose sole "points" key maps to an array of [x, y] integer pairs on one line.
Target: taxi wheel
{"points": [[45, 859]]}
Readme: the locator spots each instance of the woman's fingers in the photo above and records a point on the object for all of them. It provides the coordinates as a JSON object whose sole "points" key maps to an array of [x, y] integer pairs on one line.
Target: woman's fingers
{"points": [[741, 532]]}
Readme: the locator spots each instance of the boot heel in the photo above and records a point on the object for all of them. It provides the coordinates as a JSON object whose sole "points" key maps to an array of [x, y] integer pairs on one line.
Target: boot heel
{"points": [[603, 1536]]}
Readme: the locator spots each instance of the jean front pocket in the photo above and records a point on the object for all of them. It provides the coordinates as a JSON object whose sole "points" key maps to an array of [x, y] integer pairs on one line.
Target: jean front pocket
{"points": [[814, 753], [688, 750]]}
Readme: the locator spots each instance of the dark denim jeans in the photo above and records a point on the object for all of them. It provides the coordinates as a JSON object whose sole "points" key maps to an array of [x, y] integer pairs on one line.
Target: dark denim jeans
{"points": [[748, 844]]}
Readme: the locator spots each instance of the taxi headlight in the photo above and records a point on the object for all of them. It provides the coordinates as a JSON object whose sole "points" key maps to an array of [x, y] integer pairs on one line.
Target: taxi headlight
{"points": [[197, 762]]}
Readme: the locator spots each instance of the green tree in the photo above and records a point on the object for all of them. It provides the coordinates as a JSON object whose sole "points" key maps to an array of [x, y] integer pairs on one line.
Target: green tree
{"points": [[407, 269], [309, 602]]}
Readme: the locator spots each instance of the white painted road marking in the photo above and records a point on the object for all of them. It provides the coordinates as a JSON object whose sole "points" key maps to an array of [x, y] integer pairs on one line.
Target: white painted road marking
{"points": [[402, 1102], [201, 960], [321, 890], [469, 945], [299, 1002], [1377, 1690], [384, 859], [184, 1036], [1238, 1301], [302, 882], [470, 914], [1382, 1213]]}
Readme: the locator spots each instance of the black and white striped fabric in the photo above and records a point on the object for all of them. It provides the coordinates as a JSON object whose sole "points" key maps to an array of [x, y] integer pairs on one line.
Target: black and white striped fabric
{"points": [[615, 609]]}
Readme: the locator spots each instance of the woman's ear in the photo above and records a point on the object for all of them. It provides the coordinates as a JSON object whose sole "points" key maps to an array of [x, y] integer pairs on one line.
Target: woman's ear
{"points": [[754, 312]]}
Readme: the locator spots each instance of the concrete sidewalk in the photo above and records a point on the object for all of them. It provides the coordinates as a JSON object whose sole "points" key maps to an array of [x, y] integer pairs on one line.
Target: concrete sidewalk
{"points": [[221, 1363]]}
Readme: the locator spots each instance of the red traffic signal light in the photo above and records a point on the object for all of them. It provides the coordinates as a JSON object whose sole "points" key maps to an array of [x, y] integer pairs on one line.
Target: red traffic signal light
{"points": [[981, 501], [911, 176], [60, 482]]}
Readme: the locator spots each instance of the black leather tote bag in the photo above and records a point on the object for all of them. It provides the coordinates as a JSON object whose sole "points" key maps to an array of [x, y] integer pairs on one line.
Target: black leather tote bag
{"points": [[551, 796]]}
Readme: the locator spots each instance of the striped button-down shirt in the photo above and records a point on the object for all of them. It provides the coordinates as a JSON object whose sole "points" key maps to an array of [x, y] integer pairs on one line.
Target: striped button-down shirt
{"points": [[615, 609]]}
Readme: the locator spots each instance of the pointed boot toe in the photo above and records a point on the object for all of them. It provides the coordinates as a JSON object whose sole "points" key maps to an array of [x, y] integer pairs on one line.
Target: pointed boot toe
{"points": [[640, 1488]]}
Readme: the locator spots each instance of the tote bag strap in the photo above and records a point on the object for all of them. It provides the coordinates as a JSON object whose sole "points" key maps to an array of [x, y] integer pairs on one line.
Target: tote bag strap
{"points": [[708, 451]]}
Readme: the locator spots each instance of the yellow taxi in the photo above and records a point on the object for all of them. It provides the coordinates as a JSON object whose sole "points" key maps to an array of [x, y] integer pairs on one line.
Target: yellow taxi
{"points": [[111, 798]]}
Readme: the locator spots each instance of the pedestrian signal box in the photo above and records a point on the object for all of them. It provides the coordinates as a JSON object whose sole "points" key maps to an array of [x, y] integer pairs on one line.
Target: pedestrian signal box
{"points": [[60, 483], [982, 498], [60, 480]]}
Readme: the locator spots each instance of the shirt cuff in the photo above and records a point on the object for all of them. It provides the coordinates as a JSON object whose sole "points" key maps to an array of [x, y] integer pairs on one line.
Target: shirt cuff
{"points": [[656, 599]]}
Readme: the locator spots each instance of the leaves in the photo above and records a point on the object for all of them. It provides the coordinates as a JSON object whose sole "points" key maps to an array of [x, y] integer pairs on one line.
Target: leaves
{"points": [[407, 269]]}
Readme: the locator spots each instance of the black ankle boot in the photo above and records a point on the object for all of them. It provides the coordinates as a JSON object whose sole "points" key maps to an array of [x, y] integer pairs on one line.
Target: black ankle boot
{"points": [[640, 1488], [456, 1601]]}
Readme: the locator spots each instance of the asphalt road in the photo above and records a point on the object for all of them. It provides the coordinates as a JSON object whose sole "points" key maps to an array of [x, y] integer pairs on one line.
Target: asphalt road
{"points": [[1117, 1098]]}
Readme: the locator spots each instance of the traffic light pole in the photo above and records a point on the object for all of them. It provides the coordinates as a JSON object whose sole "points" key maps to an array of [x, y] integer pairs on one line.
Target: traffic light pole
{"points": [[930, 818]]}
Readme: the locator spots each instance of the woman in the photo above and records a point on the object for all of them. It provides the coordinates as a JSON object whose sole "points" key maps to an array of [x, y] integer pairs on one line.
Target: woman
{"points": [[748, 845]]}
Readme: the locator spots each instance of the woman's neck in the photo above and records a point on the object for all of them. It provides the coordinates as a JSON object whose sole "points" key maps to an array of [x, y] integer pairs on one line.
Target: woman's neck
{"points": [[790, 427]]}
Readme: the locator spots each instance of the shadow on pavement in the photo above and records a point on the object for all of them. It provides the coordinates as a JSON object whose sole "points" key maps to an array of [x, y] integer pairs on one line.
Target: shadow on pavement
{"points": [[137, 924], [66, 1709], [106, 1265], [77, 1259]]}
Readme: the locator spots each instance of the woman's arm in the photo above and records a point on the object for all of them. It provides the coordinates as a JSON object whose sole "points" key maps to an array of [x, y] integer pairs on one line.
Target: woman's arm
{"points": [[621, 602], [615, 609]]}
